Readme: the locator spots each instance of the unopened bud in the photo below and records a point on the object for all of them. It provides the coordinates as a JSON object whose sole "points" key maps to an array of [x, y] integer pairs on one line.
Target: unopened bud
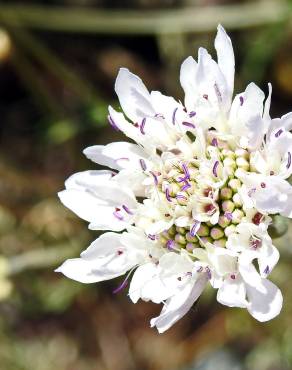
{"points": [[190, 238], [226, 193], [237, 216], [180, 239], [203, 230], [234, 184], [242, 153], [228, 206], [242, 163], [223, 221], [220, 242], [216, 233], [206, 239], [180, 230], [237, 200], [229, 230], [229, 162]]}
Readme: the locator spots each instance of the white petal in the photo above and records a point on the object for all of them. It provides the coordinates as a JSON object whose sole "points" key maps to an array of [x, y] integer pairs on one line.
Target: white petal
{"points": [[147, 285], [232, 293], [268, 260], [187, 80], [133, 96], [225, 55], [177, 306], [265, 299], [118, 155], [105, 259]]}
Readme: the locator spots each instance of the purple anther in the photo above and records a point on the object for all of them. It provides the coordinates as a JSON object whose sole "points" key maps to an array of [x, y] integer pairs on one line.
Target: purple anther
{"points": [[170, 244], [186, 171], [189, 273], [112, 123], [151, 236], [127, 210], [267, 270], [251, 192], [241, 100], [194, 229], [121, 287], [214, 170], [180, 196], [228, 215], [173, 116], [278, 133], [192, 114], [205, 96], [232, 276], [122, 159], [217, 91], [142, 164], [154, 177], [167, 194], [142, 126], [117, 215], [186, 186], [214, 142], [200, 269], [209, 274], [188, 124], [289, 161], [159, 115]]}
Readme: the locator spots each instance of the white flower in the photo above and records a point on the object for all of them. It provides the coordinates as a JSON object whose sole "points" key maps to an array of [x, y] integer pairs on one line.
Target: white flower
{"points": [[190, 201]]}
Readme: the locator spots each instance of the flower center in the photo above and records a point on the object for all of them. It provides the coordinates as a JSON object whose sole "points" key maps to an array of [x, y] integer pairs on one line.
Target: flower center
{"points": [[202, 197]]}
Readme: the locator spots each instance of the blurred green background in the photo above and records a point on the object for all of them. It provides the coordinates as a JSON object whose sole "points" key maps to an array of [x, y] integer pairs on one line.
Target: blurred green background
{"points": [[58, 62]]}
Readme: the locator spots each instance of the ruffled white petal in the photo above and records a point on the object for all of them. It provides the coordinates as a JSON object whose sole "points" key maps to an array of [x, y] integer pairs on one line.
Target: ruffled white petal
{"points": [[178, 305], [232, 293]]}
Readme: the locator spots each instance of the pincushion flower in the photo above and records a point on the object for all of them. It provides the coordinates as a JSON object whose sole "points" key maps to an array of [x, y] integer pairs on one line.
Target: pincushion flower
{"points": [[188, 203]]}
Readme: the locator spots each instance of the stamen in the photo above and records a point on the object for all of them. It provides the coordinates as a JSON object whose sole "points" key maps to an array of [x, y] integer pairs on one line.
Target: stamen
{"points": [[151, 236], [154, 177], [194, 229], [228, 215], [289, 161], [200, 269], [232, 276], [142, 164], [214, 170], [173, 116], [167, 195], [267, 270], [127, 210], [251, 192], [117, 214], [180, 196], [241, 100], [205, 96], [186, 171], [192, 114], [112, 123], [263, 185], [278, 133], [217, 91], [188, 124], [186, 186], [208, 273], [121, 286], [214, 142], [143, 126], [170, 245], [255, 243]]}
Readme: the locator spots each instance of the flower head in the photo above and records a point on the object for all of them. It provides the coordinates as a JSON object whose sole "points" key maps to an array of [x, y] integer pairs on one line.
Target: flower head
{"points": [[188, 204]]}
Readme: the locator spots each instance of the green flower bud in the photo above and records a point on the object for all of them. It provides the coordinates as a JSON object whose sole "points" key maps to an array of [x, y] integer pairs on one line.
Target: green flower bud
{"points": [[226, 193], [237, 200], [191, 238], [237, 216], [223, 221], [216, 233], [203, 230], [242, 153], [228, 206], [229, 230], [234, 184], [205, 239], [180, 230], [180, 239], [242, 163], [220, 242]]}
